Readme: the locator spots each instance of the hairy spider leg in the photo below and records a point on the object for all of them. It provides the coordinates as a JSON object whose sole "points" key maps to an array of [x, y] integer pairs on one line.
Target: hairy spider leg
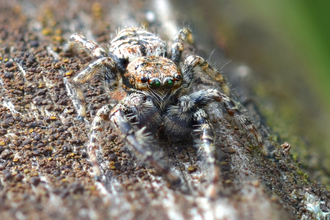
{"points": [[204, 139], [97, 126], [194, 61], [80, 43], [188, 117], [188, 113], [137, 141], [243, 121], [177, 46], [135, 138], [180, 118], [105, 65], [205, 134]]}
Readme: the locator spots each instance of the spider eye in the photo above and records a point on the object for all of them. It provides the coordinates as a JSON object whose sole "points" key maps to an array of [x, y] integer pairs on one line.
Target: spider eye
{"points": [[177, 77], [144, 79], [154, 83], [168, 83]]}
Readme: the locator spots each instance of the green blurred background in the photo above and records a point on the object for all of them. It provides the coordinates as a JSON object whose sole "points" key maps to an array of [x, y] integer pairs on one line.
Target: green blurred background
{"points": [[287, 46], [304, 27]]}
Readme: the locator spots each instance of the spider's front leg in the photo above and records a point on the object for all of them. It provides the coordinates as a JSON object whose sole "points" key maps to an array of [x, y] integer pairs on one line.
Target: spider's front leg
{"points": [[105, 65], [205, 139], [188, 117], [244, 122], [181, 118], [97, 126], [135, 114]]}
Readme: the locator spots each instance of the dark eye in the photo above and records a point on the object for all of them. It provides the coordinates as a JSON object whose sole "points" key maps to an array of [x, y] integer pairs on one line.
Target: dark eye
{"points": [[168, 83], [154, 83], [144, 79], [177, 77]]}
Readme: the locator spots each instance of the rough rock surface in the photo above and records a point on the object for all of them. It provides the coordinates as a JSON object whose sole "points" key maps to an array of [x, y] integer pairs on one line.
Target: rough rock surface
{"points": [[44, 166]]}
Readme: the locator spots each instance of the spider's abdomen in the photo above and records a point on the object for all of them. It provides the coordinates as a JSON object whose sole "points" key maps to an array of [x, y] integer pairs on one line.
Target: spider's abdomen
{"points": [[134, 42]]}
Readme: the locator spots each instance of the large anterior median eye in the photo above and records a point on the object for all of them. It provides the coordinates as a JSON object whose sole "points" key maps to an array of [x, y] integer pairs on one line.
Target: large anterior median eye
{"points": [[154, 83], [168, 83]]}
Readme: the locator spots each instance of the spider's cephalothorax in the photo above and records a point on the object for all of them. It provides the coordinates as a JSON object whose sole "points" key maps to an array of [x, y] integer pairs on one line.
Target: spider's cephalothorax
{"points": [[154, 92], [156, 76]]}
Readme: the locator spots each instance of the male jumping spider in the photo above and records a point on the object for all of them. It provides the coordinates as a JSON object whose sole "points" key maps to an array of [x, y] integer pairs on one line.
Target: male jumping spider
{"points": [[152, 91]]}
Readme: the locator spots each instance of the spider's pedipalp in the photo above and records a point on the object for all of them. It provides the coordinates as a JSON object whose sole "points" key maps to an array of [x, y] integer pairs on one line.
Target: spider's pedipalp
{"points": [[80, 43], [105, 64], [177, 46], [193, 62]]}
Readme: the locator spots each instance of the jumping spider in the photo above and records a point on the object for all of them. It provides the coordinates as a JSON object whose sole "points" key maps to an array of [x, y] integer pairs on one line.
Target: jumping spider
{"points": [[151, 90]]}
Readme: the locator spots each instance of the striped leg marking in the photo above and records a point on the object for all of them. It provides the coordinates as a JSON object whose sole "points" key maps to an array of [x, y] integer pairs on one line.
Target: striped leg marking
{"points": [[206, 138], [188, 104], [97, 126], [80, 43], [198, 99], [205, 143]]}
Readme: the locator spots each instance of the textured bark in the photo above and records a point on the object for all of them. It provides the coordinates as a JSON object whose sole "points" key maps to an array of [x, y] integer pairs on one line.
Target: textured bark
{"points": [[44, 166]]}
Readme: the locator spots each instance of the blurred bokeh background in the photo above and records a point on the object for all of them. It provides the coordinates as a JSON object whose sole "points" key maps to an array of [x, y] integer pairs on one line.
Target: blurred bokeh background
{"points": [[287, 45]]}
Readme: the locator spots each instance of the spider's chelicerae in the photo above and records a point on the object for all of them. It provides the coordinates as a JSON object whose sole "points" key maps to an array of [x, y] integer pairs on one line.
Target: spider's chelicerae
{"points": [[152, 90]]}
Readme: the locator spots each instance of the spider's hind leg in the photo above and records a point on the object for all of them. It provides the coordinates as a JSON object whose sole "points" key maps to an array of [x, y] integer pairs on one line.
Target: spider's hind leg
{"points": [[80, 43]]}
